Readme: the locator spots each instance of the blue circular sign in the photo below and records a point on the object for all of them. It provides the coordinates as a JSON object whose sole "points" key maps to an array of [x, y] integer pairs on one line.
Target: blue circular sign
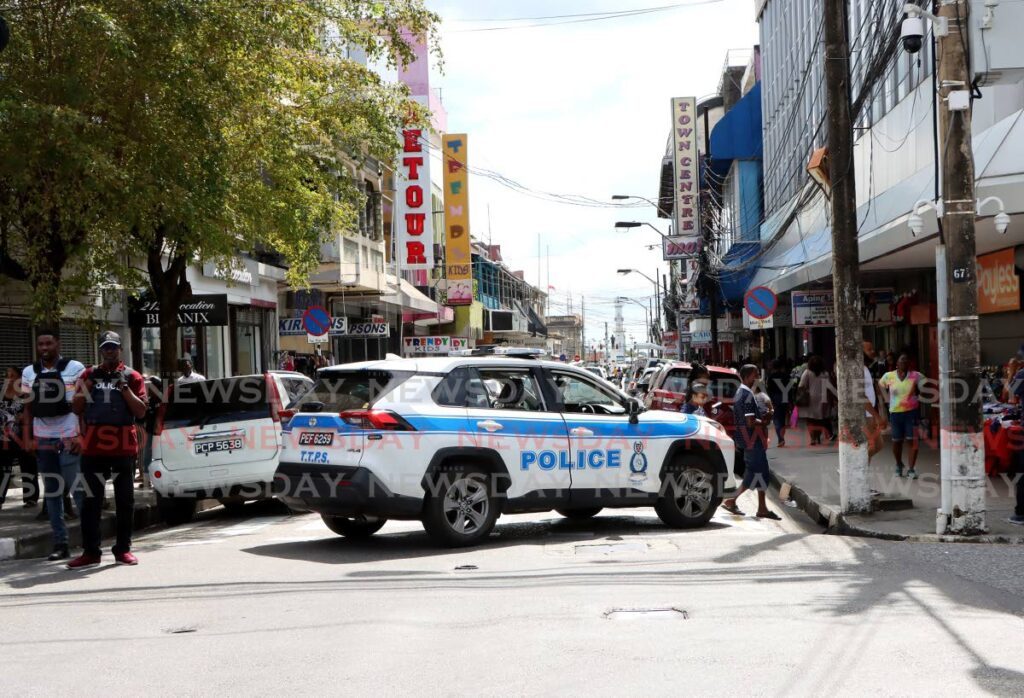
{"points": [[760, 302], [316, 321]]}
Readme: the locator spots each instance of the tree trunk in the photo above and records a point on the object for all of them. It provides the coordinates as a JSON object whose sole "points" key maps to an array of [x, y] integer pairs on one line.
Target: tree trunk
{"points": [[170, 287]]}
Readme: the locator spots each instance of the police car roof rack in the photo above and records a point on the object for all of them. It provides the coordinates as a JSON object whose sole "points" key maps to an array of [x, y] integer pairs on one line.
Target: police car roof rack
{"points": [[499, 350]]}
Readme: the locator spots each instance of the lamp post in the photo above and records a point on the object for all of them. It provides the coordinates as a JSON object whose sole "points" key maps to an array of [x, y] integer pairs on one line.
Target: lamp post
{"points": [[657, 291], [647, 313], [625, 197]]}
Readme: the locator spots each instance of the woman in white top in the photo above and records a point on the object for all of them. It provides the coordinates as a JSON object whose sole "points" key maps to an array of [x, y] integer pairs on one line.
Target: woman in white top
{"points": [[814, 404]]}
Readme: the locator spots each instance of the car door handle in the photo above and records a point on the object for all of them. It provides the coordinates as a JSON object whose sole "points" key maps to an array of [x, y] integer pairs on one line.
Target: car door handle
{"points": [[581, 431], [490, 425]]}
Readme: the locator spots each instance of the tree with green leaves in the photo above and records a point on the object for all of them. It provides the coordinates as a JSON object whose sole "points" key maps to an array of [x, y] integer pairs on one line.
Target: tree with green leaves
{"points": [[178, 132]]}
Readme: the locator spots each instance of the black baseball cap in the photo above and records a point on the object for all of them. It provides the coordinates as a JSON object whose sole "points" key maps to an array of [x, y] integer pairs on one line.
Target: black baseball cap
{"points": [[109, 337]]}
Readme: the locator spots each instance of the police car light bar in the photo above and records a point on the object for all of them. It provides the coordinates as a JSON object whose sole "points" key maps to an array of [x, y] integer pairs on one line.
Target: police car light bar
{"points": [[494, 350]]}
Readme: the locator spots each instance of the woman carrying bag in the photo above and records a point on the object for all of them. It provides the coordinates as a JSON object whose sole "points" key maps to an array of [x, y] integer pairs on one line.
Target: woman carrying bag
{"points": [[813, 400]]}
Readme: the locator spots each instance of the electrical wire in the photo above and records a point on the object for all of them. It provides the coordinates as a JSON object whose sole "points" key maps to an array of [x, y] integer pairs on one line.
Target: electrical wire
{"points": [[588, 18]]}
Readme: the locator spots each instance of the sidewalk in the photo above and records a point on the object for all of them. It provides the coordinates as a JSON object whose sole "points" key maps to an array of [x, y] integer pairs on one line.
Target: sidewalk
{"points": [[22, 536], [812, 472]]}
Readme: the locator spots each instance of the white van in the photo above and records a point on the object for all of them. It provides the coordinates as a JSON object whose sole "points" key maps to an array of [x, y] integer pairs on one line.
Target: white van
{"points": [[220, 439]]}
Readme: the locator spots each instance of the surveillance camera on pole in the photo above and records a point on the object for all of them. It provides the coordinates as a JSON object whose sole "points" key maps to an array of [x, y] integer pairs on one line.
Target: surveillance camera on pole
{"points": [[912, 29]]}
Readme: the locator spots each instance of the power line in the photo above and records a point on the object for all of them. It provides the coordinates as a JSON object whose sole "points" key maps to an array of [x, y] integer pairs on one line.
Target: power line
{"points": [[579, 18]]}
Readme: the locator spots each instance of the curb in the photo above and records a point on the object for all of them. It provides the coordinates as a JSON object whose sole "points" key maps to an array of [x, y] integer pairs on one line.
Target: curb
{"points": [[37, 545], [833, 520]]}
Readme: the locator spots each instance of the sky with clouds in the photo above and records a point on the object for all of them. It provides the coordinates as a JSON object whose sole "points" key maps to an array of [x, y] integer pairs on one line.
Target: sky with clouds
{"points": [[578, 108]]}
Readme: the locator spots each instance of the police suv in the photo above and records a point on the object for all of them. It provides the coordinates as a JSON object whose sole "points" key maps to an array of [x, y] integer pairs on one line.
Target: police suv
{"points": [[456, 441]]}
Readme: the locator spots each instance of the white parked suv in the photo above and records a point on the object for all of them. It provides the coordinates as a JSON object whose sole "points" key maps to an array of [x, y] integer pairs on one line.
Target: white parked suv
{"points": [[220, 439], [454, 442]]}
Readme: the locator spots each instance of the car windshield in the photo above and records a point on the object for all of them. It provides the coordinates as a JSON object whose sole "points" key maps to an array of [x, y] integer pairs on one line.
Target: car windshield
{"points": [[217, 401]]}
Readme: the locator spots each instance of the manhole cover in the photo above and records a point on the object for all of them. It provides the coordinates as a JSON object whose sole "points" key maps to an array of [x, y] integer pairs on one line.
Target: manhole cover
{"points": [[670, 613]]}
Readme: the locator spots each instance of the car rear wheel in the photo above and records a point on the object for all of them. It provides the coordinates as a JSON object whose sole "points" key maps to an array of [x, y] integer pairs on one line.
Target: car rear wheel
{"points": [[689, 495], [234, 506], [580, 514], [176, 511], [354, 526], [460, 509]]}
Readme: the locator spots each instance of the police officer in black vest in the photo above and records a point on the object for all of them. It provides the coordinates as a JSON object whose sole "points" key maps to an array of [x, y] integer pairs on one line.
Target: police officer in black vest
{"points": [[110, 397]]}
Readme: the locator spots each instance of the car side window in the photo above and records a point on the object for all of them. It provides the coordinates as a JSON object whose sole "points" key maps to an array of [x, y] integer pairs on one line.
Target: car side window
{"points": [[462, 387], [581, 395], [723, 387], [509, 389], [296, 388]]}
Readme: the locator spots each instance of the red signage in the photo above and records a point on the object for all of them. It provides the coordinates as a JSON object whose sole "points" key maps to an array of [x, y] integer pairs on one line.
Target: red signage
{"points": [[414, 217]]}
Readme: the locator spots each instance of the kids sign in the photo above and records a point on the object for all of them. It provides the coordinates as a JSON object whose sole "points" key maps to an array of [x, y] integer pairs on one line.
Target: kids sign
{"points": [[684, 166], [413, 215]]}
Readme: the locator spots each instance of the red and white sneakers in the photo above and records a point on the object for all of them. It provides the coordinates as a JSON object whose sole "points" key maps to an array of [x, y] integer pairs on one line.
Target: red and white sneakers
{"points": [[126, 559]]}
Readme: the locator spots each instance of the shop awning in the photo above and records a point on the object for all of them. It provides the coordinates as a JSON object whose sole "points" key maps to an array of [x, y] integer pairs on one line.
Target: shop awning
{"points": [[409, 297], [738, 268], [737, 135]]}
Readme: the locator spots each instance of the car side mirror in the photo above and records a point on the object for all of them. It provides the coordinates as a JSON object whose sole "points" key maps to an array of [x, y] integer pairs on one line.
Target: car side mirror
{"points": [[633, 408]]}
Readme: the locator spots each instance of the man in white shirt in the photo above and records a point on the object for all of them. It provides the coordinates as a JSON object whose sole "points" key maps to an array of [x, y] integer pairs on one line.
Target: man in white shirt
{"points": [[53, 430], [187, 374]]}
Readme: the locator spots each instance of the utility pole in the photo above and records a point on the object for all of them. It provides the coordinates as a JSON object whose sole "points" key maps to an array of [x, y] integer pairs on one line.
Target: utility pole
{"points": [[707, 277], [583, 315], [607, 349], [854, 492], [960, 431]]}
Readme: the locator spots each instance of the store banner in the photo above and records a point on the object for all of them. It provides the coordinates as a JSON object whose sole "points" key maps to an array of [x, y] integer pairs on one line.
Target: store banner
{"points": [[340, 327], [679, 247], [204, 310], [459, 260], [433, 344], [998, 282], [413, 217], [685, 172], [813, 309]]}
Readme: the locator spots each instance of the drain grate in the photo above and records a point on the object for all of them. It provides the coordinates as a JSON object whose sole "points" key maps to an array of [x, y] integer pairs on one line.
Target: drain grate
{"points": [[669, 613]]}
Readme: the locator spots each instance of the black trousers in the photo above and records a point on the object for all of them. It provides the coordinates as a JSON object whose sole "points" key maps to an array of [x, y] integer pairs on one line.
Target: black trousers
{"points": [[95, 472], [9, 454], [1018, 460]]}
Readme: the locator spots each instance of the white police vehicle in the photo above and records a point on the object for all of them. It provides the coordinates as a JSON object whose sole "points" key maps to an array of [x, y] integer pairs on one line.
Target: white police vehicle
{"points": [[457, 441]]}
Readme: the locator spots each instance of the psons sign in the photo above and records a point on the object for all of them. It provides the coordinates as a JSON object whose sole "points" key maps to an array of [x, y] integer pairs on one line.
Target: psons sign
{"points": [[339, 327], [413, 215], [685, 171]]}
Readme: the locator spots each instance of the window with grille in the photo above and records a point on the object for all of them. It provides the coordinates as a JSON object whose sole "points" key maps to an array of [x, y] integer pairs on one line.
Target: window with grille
{"points": [[15, 342], [78, 343]]}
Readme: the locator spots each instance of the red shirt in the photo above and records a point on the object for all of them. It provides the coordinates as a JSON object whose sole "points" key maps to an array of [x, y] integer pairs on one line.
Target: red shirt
{"points": [[114, 440]]}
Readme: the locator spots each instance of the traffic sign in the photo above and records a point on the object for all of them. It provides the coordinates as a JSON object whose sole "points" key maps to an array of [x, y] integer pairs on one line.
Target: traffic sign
{"points": [[316, 321], [317, 339], [760, 302]]}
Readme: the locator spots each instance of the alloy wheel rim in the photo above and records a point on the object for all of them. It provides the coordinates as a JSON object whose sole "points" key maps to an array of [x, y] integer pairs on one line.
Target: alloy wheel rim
{"points": [[466, 506], [694, 492]]}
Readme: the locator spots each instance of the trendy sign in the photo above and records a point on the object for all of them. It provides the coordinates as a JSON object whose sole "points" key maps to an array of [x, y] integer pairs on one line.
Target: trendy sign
{"points": [[998, 282], [459, 260], [413, 218], [685, 166], [434, 345], [208, 310]]}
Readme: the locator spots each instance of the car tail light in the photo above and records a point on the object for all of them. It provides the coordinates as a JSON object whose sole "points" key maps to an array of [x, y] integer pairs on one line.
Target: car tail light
{"points": [[158, 423], [157, 474], [382, 420], [273, 397], [285, 416]]}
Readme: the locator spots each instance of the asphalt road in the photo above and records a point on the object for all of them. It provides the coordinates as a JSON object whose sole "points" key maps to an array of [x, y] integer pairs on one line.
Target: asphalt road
{"points": [[269, 603]]}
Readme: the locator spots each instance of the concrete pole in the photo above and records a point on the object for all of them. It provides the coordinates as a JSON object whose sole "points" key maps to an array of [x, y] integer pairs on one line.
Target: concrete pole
{"points": [[961, 433], [854, 492]]}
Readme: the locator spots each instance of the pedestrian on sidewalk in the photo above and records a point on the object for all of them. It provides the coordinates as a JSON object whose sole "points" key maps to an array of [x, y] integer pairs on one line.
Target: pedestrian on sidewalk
{"points": [[813, 399], [110, 398], [875, 423], [12, 450], [51, 429], [780, 387], [751, 438], [903, 387], [188, 375]]}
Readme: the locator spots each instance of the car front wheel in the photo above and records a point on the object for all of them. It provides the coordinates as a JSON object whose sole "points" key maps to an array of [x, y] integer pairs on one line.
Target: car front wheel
{"points": [[460, 509], [689, 495], [176, 511], [354, 526]]}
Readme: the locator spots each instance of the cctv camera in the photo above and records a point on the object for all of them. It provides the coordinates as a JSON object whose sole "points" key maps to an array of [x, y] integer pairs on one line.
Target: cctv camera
{"points": [[1002, 222], [915, 223], [912, 34]]}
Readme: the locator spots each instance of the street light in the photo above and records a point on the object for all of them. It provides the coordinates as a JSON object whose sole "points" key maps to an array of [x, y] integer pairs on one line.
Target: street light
{"points": [[647, 314], [625, 197], [657, 290], [625, 225]]}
